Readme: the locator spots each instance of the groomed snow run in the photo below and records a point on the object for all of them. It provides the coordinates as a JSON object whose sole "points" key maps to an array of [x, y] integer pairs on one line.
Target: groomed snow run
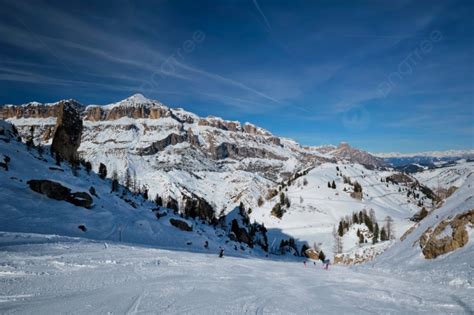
{"points": [[42, 274]]}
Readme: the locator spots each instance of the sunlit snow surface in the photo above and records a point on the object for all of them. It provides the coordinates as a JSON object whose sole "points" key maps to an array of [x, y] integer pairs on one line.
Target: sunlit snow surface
{"points": [[46, 275]]}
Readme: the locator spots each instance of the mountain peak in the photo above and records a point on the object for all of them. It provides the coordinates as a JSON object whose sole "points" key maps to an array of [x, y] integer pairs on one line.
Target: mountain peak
{"points": [[138, 98]]}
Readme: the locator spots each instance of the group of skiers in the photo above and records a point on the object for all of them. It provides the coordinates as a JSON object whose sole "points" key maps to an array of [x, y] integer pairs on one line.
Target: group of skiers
{"points": [[221, 255], [325, 263]]}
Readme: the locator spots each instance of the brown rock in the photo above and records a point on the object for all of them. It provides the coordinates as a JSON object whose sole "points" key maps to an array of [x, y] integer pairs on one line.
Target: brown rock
{"points": [[67, 136], [433, 246]]}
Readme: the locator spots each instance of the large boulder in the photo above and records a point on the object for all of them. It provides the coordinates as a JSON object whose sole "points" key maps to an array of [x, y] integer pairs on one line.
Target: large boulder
{"points": [[67, 135], [57, 191], [182, 225], [447, 236]]}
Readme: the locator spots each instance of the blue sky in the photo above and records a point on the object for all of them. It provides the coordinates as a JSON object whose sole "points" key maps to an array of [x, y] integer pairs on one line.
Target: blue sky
{"points": [[381, 75]]}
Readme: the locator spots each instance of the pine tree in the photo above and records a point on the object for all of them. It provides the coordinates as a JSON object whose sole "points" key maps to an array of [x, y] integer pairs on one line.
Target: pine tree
{"points": [[277, 211], [340, 230], [368, 222], [355, 219], [329, 185], [333, 186], [321, 256], [282, 198], [115, 183], [128, 179], [375, 239], [260, 201], [383, 234], [361, 238], [287, 202], [145, 192], [102, 171], [158, 200]]}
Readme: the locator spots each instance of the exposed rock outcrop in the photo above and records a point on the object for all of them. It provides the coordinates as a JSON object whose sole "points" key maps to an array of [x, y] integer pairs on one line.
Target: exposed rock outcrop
{"points": [[447, 236], [311, 253], [57, 191], [30, 110], [240, 234], [195, 206], [171, 139], [180, 224], [231, 150], [67, 136]]}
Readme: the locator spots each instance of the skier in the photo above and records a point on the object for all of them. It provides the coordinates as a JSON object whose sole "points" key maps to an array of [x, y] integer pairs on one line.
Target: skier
{"points": [[206, 244], [221, 253], [326, 264], [304, 262]]}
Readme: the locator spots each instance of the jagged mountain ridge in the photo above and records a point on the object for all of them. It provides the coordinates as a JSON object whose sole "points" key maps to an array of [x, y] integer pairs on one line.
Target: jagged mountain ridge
{"points": [[176, 153]]}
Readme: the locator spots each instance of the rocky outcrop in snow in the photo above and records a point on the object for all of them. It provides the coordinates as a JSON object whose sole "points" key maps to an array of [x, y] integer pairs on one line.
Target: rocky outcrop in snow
{"points": [[67, 136], [57, 191], [182, 225], [447, 236]]}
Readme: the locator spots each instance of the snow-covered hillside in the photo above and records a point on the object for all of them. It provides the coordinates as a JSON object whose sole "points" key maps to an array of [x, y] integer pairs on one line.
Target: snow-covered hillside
{"points": [[455, 268], [315, 209], [446, 177], [113, 216]]}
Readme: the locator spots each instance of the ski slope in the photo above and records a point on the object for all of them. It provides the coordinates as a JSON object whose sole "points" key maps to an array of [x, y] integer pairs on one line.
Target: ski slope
{"points": [[50, 274]]}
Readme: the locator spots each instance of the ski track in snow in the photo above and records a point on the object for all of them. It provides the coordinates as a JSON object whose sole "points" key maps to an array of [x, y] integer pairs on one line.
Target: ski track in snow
{"points": [[81, 276]]}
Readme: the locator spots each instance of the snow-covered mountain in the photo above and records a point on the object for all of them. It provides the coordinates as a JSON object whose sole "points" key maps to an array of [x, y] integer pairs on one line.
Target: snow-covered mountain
{"points": [[432, 154], [415, 162], [211, 166], [175, 153]]}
